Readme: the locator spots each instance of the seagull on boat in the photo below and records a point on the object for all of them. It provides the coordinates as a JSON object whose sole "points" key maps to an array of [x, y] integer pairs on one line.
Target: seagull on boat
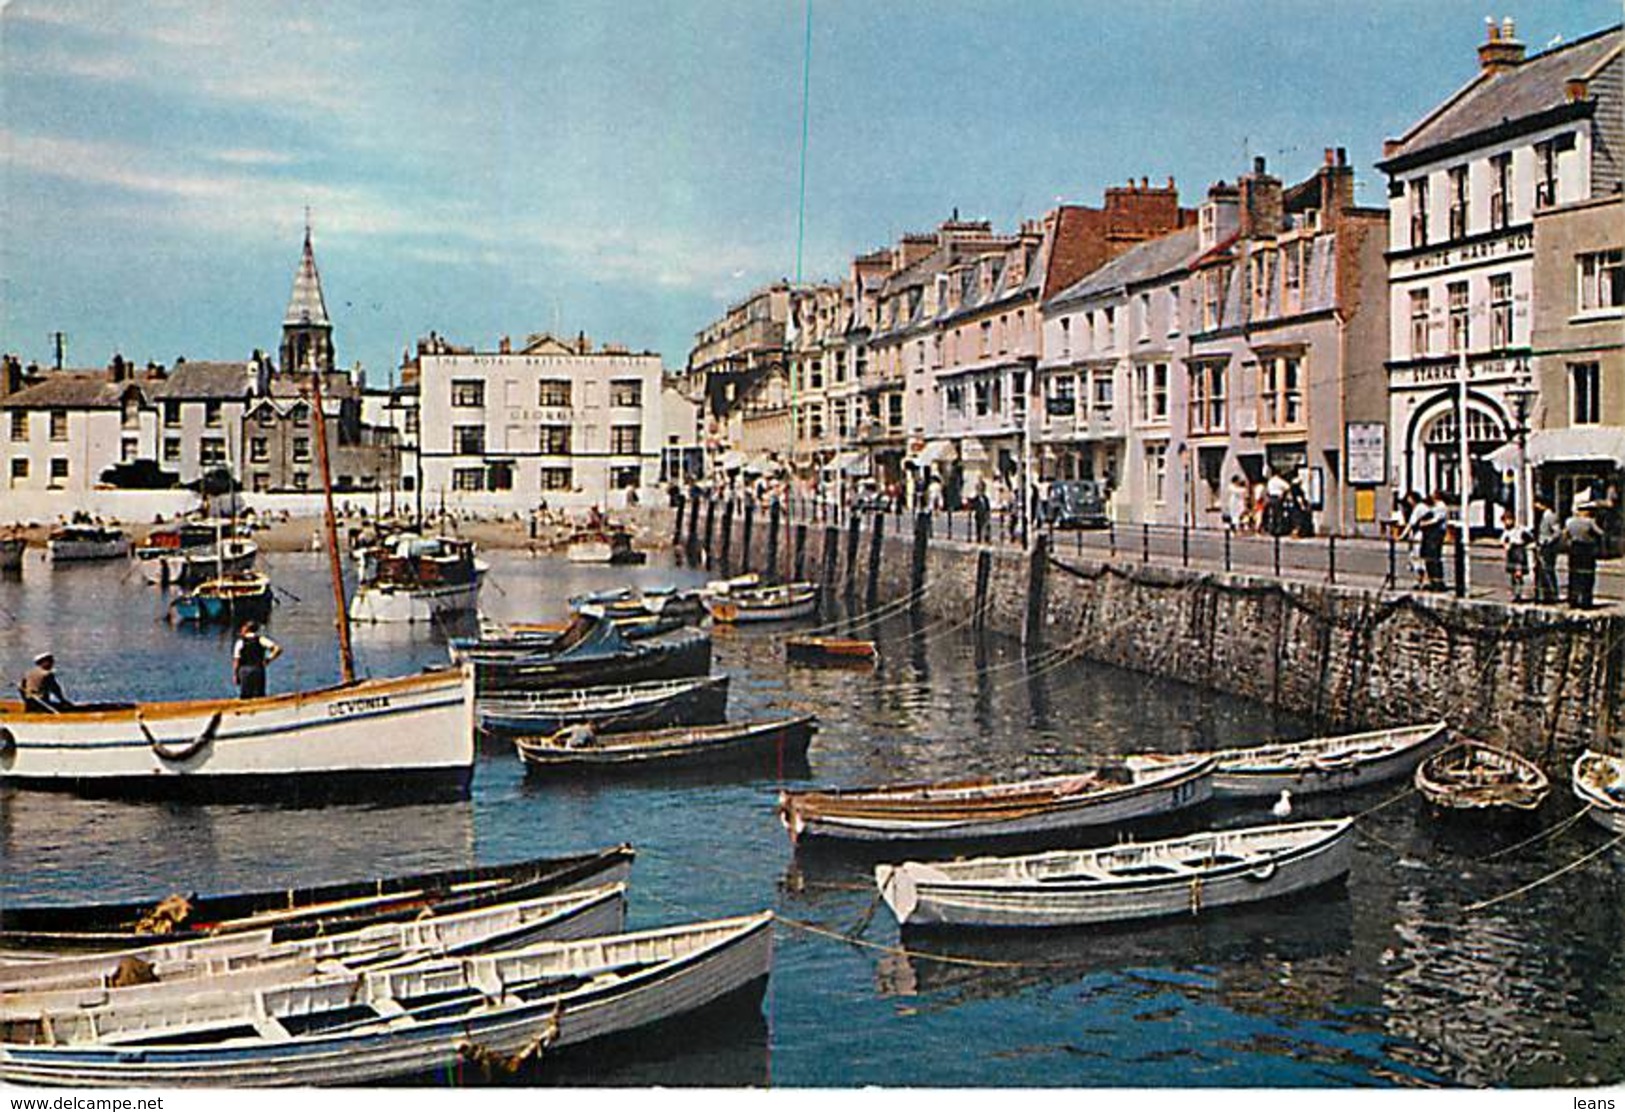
{"points": [[1283, 806]]}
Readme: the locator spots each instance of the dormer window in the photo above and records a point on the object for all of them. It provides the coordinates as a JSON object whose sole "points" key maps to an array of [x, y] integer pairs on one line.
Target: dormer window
{"points": [[1208, 222]]}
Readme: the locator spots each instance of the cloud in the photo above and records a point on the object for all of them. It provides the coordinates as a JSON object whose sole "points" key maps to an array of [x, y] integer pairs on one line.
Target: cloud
{"points": [[250, 156], [224, 52]]}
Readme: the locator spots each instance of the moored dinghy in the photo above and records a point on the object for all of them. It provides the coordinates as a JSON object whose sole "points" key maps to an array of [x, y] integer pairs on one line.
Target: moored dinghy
{"points": [[772, 743], [764, 604], [829, 650], [1317, 764], [616, 709], [1470, 777], [983, 809], [1071, 888], [254, 959], [354, 1028], [290, 913], [1599, 783]]}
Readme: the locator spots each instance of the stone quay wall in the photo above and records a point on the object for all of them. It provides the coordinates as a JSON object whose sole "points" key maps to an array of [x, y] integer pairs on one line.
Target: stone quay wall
{"points": [[1545, 682]]}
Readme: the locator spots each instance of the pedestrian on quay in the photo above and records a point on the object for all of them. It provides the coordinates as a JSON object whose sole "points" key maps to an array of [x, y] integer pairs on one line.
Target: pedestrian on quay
{"points": [[1235, 504], [249, 659], [1435, 528], [1548, 541], [981, 510], [1583, 538], [41, 689], [1515, 540], [1416, 515]]}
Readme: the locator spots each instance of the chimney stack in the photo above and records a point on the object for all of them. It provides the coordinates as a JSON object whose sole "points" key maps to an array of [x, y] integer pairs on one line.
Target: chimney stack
{"points": [[505, 346], [1500, 51], [1262, 203]]}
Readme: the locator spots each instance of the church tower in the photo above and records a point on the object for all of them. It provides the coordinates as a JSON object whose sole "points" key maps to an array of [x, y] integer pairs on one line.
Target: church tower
{"points": [[307, 333]]}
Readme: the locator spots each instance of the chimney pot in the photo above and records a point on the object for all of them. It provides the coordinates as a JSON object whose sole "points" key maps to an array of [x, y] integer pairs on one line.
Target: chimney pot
{"points": [[1145, 183], [1342, 156], [1170, 181], [1258, 164]]}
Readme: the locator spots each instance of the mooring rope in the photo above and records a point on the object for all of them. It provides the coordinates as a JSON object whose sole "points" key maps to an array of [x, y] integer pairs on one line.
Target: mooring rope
{"points": [[1549, 877], [1549, 832]]}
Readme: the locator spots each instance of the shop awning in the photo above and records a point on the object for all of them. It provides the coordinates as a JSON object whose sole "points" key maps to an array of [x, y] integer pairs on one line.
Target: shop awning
{"points": [[932, 453], [1586, 442], [849, 463], [732, 460]]}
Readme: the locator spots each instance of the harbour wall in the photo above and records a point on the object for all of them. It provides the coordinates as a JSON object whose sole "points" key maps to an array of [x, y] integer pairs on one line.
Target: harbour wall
{"points": [[1545, 682]]}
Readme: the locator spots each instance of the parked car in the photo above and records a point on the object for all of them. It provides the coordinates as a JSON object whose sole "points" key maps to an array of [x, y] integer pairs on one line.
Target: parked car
{"points": [[1076, 504]]}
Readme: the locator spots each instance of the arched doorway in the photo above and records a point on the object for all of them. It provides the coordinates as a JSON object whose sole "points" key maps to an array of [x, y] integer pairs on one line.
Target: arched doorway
{"points": [[1440, 463]]}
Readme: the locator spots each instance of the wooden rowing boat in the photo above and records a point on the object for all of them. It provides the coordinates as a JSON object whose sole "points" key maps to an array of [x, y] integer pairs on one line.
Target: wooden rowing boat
{"points": [[292, 913], [1599, 783], [828, 650], [982, 809], [232, 598], [502, 1010], [1313, 765], [593, 653], [387, 736], [1179, 876], [634, 706], [178, 969], [1472, 777], [764, 604], [773, 743]]}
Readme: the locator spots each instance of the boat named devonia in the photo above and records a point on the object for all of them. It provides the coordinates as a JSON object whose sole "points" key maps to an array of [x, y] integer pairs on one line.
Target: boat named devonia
{"points": [[412, 732]]}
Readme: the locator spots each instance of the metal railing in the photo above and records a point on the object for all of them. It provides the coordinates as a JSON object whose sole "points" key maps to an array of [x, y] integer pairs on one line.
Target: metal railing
{"points": [[1373, 563]]}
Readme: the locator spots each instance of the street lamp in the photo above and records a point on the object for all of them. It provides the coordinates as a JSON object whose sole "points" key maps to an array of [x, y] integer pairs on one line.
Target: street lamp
{"points": [[1521, 395]]}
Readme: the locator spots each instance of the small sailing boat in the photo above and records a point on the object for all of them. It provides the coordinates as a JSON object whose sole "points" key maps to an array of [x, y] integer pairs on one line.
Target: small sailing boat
{"points": [[244, 596], [1599, 783]]}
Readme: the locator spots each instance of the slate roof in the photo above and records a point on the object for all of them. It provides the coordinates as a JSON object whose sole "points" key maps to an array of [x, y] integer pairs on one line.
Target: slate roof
{"points": [[204, 381], [1536, 85], [72, 390], [1142, 262]]}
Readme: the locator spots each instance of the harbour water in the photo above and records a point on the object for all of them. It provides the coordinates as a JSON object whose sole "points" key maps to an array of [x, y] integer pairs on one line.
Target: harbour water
{"points": [[1389, 982]]}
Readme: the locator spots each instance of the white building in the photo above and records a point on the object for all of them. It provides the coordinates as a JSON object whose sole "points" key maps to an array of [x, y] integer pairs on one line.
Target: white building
{"points": [[62, 432], [1465, 182], [555, 421]]}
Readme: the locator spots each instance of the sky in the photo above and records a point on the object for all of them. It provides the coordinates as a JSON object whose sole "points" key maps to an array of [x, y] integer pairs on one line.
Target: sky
{"points": [[628, 169]]}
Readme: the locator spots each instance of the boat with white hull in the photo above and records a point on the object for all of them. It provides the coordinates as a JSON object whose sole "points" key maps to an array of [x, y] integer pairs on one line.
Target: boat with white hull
{"points": [[411, 579], [254, 960], [394, 733], [75, 543], [1072, 888], [1313, 765], [355, 1028], [416, 605], [1599, 783], [973, 810]]}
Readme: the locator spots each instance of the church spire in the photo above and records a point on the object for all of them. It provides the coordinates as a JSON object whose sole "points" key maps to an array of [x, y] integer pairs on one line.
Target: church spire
{"points": [[307, 331]]}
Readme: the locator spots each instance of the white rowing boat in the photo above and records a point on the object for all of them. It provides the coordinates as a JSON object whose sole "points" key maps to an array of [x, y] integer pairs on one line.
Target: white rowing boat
{"points": [[1179, 876], [978, 809], [1599, 783], [254, 960], [393, 734], [1313, 765], [355, 1028]]}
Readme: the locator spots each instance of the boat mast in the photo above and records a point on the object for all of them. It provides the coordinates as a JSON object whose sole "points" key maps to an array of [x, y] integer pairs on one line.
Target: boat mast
{"points": [[342, 618]]}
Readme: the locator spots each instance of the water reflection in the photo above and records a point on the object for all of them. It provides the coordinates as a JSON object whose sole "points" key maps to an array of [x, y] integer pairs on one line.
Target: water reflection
{"points": [[60, 847], [1392, 982]]}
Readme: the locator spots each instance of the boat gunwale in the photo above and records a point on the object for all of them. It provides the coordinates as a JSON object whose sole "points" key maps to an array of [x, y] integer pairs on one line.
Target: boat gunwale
{"points": [[11, 709], [837, 804]]}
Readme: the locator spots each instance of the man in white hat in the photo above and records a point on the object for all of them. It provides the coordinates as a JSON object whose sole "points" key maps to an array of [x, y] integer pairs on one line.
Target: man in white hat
{"points": [[41, 691]]}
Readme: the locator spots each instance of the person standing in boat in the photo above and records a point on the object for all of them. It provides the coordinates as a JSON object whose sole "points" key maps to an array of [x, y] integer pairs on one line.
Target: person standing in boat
{"points": [[248, 661], [41, 690]]}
